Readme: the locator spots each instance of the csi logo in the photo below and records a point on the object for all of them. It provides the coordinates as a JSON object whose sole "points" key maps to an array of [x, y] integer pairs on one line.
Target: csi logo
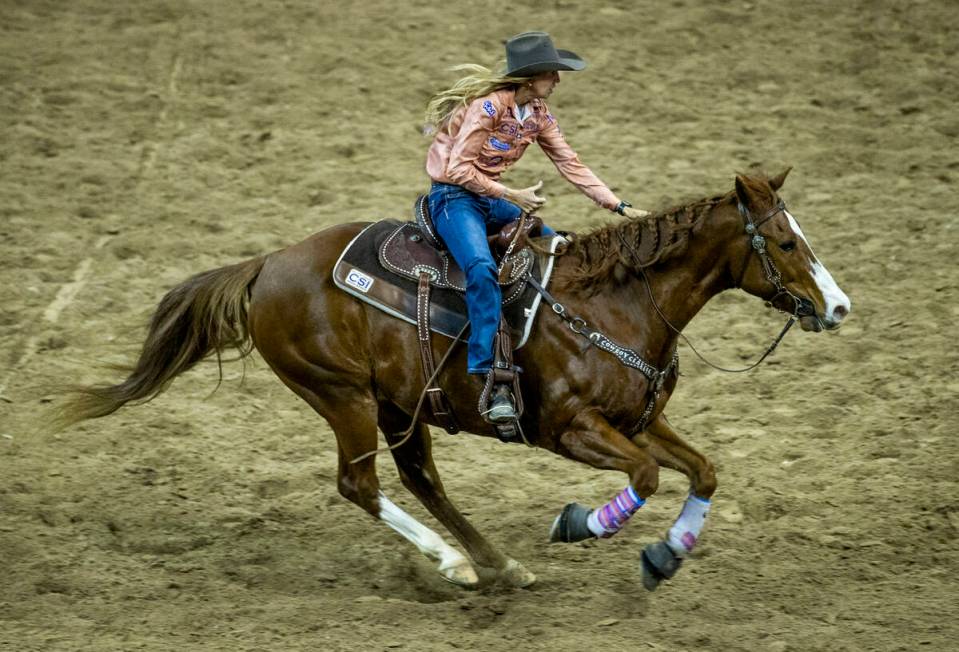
{"points": [[359, 280]]}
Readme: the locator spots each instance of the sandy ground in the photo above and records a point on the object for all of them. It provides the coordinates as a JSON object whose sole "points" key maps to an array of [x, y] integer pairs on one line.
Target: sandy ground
{"points": [[142, 142]]}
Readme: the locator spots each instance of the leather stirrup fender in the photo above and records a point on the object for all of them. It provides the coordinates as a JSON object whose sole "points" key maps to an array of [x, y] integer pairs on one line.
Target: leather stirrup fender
{"points": [[439, 402]]}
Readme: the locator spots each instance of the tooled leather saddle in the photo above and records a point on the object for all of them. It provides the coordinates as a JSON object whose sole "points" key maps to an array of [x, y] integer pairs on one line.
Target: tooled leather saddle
{"points": [[404, 269]]}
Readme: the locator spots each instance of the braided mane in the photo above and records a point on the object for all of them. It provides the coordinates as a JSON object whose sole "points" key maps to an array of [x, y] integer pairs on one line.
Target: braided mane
{"points": [[633, 243]]}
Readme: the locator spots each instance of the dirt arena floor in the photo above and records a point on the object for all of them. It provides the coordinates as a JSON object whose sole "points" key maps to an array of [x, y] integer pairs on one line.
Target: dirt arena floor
{"points": [[141, 142]]}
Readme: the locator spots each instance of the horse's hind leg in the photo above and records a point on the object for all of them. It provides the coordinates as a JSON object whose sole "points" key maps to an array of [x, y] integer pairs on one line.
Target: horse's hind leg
{"points": [[352, 414], [662, 559], [453, 566], [414, 461]]}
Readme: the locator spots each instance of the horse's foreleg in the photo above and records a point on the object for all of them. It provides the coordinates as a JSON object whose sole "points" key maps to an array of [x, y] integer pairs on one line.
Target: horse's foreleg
{"points": [[593, 441], [414, 461], [671, 451], [661, 560]]}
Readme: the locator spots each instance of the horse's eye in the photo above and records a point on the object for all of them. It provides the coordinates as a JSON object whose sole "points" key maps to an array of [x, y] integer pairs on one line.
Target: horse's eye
{"points": [[788, 246]]}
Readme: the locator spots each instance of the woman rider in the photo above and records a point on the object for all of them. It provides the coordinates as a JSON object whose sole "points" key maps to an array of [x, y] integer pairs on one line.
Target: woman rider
{"points": [[483, 125]]}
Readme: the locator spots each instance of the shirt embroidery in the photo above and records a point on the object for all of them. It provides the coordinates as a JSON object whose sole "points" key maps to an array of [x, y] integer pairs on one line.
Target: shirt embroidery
{"points": [[465, 155]]}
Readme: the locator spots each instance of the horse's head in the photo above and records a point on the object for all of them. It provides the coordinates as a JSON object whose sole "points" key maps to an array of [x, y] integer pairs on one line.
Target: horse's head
{"points": [[779, 264]]}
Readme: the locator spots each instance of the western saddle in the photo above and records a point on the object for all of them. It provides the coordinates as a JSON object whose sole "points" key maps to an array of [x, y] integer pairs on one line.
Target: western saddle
{"points": [[414, 277]]}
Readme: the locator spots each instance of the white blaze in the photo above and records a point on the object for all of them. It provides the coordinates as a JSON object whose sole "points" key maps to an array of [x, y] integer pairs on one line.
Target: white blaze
{"points": [[831, 294]]}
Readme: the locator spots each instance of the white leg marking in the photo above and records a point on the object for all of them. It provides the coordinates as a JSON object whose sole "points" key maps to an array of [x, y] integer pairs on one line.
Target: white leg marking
{"points": [[832, 296], [453, 565]]}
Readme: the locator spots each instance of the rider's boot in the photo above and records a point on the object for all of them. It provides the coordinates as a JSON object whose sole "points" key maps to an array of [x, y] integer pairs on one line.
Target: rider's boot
{"points": [[502, 406], [500, 402]]}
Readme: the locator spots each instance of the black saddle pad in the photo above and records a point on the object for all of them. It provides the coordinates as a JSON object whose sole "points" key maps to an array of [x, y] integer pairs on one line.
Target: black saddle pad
{"points": [[376, 270]]}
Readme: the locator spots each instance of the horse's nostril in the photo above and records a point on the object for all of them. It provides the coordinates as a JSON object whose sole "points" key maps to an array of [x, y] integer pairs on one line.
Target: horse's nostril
{"points": [[840, 311]]}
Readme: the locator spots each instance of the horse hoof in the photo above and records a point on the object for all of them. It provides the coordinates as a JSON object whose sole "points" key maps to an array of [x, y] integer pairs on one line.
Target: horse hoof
{"points": [[571, 525], [461, 574], [651, 579], [517, 575], [659, 563]]}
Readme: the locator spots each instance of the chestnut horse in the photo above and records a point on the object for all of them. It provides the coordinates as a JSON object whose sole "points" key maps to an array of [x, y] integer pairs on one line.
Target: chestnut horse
{"points": [[637, 282]]}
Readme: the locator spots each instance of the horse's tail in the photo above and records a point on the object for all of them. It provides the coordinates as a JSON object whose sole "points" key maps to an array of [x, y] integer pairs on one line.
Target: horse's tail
{"points": [[205, 314]]}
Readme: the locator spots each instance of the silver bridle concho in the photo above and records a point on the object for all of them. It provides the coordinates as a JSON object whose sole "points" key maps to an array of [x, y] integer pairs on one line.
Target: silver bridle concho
{"points": [[802, 307]]}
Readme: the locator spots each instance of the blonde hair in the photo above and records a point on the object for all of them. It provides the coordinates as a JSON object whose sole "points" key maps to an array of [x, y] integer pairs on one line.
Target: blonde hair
{"points": [[482, 81]]}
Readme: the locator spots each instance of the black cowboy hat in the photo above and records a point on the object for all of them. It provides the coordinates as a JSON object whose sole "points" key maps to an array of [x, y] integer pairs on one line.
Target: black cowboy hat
{"points": [[531, 53]]}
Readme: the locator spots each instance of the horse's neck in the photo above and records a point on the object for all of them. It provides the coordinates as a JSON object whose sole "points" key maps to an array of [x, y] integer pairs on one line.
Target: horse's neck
{"points": [[625, 313], [671, 294], [679, 293], [637, 314], [682, 286]]}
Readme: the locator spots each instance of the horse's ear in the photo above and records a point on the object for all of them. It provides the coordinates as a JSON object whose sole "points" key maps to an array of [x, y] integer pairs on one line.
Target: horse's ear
{"points": [[742, 194], [777, 181]]}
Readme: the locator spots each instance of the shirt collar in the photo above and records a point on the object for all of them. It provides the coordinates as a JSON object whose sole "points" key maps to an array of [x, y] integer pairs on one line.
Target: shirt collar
{"points": [[535, 106]]}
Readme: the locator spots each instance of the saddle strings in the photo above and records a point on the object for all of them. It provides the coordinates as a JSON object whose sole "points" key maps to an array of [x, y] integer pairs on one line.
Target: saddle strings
{"points": [[436, 372]]}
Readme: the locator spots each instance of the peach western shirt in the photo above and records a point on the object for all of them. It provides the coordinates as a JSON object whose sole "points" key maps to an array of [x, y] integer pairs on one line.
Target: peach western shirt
{"points": [[485, 138]]}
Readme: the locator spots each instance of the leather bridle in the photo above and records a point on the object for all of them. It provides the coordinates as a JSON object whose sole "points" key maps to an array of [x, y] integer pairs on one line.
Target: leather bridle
{"points": [[802, 307]]}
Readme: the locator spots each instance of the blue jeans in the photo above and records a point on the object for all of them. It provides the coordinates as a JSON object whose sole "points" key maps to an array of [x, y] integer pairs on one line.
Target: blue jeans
{"points": [[463, 220]]}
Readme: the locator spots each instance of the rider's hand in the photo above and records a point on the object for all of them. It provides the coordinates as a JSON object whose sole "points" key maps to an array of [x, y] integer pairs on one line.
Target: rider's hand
{"points": [[526, 199], [635, 213]]}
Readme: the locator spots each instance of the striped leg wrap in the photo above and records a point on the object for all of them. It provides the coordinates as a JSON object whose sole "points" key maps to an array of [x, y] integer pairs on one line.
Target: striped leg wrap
{"points": [[609, 519]]}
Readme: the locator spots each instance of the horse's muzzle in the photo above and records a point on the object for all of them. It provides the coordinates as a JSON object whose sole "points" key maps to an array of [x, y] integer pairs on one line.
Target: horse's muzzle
{"points": [[833, 320], [817, 324], [811, 323]]}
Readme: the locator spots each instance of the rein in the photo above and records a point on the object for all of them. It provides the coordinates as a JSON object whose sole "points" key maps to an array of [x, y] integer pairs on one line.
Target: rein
{"points": [[802, 307], [769, 350]]}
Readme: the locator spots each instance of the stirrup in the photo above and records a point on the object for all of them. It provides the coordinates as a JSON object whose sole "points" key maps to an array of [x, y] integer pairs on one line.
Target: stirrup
{"points": [[502, 408]]}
